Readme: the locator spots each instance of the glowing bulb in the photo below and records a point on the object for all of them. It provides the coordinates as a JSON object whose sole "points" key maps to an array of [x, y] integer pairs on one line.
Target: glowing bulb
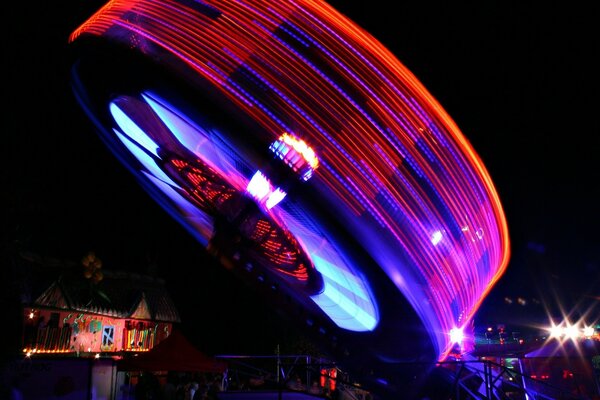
{"points": [[588, 332], [556, 331], [572, 332]]}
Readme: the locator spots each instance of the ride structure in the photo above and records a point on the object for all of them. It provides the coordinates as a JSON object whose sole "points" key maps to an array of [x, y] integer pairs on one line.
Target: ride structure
{"points": [[302, 153]]}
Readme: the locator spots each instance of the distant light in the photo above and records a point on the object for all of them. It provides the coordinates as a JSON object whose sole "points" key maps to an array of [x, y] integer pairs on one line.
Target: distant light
{"points": [[568, 330], [556, 331], [456, 335], [436, 237], [31, 315], [97, 355], [572, 332], [588, 331]]}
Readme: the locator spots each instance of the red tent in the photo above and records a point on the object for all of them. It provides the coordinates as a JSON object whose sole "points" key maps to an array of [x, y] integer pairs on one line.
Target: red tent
{"points": [[175, 353]]}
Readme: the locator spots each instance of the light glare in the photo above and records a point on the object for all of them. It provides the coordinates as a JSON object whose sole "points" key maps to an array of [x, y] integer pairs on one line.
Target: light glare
{"points": [[556, 331], [436, 237], [456, 335], [572, 332], [588, 332]]}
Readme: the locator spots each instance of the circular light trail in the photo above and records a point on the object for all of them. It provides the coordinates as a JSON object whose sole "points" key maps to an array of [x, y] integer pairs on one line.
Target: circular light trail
{"points": [[405, 194]]}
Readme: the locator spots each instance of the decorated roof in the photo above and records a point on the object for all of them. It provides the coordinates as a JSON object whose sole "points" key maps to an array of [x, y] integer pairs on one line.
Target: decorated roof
{"points": [[117, 294]]}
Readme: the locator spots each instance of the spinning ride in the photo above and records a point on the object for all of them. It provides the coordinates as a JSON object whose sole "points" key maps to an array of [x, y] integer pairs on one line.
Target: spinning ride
{"points": [[301, 153]]}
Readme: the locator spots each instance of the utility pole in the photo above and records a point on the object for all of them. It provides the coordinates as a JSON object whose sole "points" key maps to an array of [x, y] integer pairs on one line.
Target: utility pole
{"points": [[279, 383]]}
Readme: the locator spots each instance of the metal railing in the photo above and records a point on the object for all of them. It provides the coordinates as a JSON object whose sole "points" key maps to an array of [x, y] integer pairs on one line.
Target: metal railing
{"points": [[299, 373], [484, 379], [464, 379]]}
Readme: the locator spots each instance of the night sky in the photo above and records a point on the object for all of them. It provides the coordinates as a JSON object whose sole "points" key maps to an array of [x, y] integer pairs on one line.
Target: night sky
{"points": [[518, 79]]}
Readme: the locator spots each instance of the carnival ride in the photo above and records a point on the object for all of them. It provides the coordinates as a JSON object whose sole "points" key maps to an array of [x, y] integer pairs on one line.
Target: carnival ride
{"points": [[302, 153]]}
